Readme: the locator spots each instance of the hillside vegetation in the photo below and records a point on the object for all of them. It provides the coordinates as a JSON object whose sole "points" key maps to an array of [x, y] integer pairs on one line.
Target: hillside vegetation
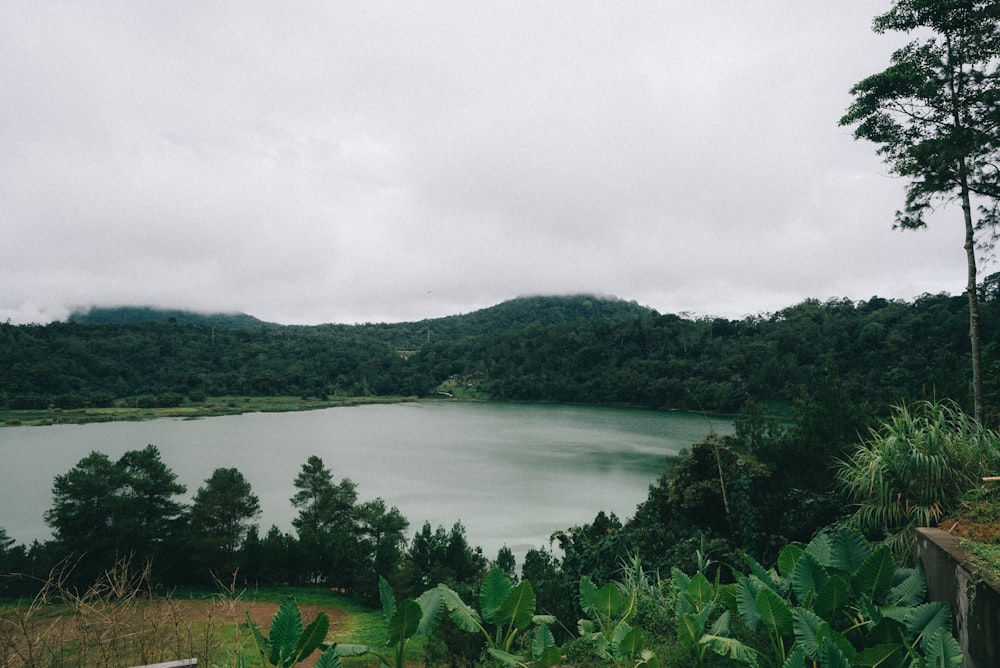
{"points": [[580, 349]]}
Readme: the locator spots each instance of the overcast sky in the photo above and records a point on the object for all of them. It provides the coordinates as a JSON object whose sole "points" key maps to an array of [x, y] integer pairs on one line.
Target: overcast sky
{"points": [[324, 161]]}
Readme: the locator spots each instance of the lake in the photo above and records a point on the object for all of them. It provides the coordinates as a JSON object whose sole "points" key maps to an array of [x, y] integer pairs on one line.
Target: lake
{"points": [[512, 473]]}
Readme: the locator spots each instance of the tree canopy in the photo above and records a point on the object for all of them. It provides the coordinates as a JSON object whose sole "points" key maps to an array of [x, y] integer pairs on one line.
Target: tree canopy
{"points": [[935, 115]]}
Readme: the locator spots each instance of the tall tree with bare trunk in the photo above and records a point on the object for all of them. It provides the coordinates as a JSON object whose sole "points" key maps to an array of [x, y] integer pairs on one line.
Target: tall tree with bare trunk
{"points": [[935, 115]]}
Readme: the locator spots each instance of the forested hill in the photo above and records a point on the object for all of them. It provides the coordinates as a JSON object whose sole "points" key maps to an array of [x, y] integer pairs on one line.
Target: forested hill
{"points": [[582, 349], [134, 314]]}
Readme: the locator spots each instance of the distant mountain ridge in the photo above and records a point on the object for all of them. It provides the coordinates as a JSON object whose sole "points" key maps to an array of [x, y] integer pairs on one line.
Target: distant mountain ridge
{"points": [[515, 313], [137, 314]]}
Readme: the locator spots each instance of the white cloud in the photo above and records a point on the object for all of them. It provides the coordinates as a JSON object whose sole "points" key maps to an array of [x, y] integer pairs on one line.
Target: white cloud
{"points": [[347, 162]]}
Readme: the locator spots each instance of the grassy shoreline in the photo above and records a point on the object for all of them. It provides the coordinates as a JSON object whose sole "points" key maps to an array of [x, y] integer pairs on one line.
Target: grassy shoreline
{"points": [[211, 407]]}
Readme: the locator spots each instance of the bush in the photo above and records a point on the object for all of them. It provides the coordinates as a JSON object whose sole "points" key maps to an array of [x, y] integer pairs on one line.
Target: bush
{"points": [[29, 402], [914, 468]]}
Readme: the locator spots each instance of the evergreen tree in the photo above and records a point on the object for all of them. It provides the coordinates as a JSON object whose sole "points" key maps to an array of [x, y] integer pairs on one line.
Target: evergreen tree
{"points": [[104, 510], [221, 516], [328, 527]]}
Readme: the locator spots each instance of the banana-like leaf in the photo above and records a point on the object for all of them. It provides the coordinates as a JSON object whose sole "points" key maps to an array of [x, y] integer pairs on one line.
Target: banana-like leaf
{"points": [[731, 648], [807, 578], [848, 550], [775, 613], [874, 576], [312, 637], [699, 591], [544, 620], [492, 594], [608, 601], [679, 578], [387, 597], [328, 659], [787, 559], [550, 656], [506, 658], [541, 640], [727, 594], [821, 548], [769, 578], [721, 626], [628, 642], [911, 591], [648, 660], [880, 656], [286, 629], [585, 627], [943, 651], [832, 597], [349, 649], [806, 624], [796, 658], [746, 603], [832, 657], [827, 634], [405, 621], [464, 616], [925, 619], [433, 608], [518, 608], [263, 644], [691, 628]]}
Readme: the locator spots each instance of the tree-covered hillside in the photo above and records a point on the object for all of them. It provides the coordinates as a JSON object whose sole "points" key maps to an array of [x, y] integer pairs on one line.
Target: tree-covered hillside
{"points": [[581, 349], [132, 314]]}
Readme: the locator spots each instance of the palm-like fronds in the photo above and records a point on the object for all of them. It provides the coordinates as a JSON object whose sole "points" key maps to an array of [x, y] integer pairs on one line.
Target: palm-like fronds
{"points": [[913, 468]]}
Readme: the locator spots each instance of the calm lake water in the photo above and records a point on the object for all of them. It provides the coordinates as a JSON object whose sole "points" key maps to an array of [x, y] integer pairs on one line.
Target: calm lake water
{"points": [[512, 473]]}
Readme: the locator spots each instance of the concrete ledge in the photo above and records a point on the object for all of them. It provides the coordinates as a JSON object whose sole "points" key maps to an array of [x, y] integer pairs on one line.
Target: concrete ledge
{"points": [[952, 577]]}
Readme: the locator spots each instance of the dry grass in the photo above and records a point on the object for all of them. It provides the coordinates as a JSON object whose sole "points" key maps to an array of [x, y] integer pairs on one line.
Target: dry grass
{"points": [[122, 621]]}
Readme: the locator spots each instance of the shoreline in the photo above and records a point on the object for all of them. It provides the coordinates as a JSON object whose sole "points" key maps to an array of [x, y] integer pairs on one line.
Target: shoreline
{"points": [[211, 407]]}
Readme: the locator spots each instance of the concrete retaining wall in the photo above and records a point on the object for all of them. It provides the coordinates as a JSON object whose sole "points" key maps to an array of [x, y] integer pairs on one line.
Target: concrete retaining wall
{"points": [[975, 604]]}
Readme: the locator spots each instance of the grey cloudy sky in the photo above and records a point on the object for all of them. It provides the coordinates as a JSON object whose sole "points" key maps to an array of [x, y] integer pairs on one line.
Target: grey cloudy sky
{"points": [[326, 161]]}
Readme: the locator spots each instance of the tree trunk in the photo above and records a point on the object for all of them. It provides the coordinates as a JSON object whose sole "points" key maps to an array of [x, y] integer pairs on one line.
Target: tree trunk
{"points": [[972, 291]]}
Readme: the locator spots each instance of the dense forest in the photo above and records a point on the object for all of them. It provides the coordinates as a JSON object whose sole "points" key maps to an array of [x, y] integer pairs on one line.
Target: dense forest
{"points": [[580, 349]]}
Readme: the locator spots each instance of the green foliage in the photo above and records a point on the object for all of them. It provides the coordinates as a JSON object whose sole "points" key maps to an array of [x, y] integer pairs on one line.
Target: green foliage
{"points": [[102, 508], [221, 515], [610, 609], [835, 601], [575, 349], [510, 610], [441, 556], [933, 114], [913, 469], [289, 643], [405, 620]]}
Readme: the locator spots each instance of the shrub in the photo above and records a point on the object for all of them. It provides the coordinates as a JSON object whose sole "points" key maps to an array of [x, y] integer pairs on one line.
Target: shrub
{"points": [[913, 469], [835, 601]]}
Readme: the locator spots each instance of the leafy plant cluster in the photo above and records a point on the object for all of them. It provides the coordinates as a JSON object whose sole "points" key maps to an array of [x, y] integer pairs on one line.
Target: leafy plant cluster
{"points": [[513, 634], [835, 602]]}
